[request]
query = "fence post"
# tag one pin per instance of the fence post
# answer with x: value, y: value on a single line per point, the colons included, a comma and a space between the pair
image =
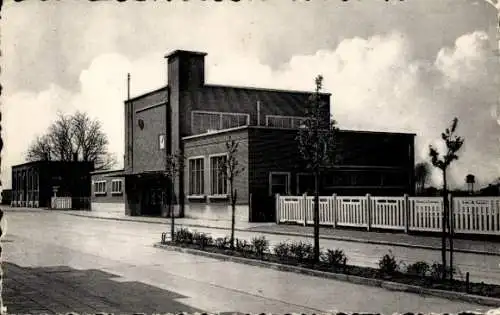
x: 407, y: 213
x: 304, y: 208
x: 334, y: 196
x: 369, y: 213
x: 277, y: 208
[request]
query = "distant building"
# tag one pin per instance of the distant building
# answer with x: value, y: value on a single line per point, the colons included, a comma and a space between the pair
x: 6, y: 196
x: 196, y: 118
x: 35, y: 183
x: 107, y: 191
x: 490, y: 190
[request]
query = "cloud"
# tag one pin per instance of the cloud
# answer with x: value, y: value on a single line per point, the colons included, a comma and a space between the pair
x: 102, y: 90
x: 377, y: 83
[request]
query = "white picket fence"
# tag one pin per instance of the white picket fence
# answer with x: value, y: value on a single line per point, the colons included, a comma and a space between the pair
x: 469, y: 215
x: 60, y: 203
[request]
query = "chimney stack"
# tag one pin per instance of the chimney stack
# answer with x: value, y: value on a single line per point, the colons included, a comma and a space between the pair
x: 186, y: 70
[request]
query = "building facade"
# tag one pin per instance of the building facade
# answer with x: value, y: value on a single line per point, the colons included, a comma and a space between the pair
x: 35, y: 183
x: 196, y: 118
x: 107, y: 191
x: 6, y: 197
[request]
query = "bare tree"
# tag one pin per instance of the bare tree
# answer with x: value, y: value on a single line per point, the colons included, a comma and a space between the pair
x: 60, y: 138
x: 453, y: 145
x: 317, y: 146
x: 422, y: 172
x: 40, y: 149
x: 73, y: 136
x: 174, y: 166
x: 91, y: 144
x: 230, y: 169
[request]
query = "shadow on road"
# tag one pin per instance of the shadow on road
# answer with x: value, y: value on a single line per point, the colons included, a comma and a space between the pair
x: 62, y: 289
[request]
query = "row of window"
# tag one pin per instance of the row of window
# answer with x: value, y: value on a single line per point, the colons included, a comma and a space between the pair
x: 101, y: 189
x: 29, y: 179
x: 206, y: 121
x: 218, y: 182
x: 281, y: 182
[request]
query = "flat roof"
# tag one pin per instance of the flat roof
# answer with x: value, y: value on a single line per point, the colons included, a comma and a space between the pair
x: 49, y: 162
x: 107, y: 171
x: 146, y: 94
x: 229, y: 130
x: 187, y: 52
x: 255, y: 88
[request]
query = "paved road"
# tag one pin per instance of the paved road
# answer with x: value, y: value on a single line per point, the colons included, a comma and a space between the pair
x: 91, y: 264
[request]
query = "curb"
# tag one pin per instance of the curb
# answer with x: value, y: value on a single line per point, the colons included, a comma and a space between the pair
x: 394, y: 286
x: 327, y: 237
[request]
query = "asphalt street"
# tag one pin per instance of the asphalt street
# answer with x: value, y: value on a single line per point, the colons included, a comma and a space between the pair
x: 90, y: 265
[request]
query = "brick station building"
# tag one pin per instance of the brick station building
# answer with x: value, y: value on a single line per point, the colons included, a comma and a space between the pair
x: 190, y: 116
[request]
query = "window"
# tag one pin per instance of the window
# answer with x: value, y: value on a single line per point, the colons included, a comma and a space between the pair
x: 206, y: 121
x: 161, y: 140
x: 218, y: 183
x: 116, y: 186
x: 100, y: 188
x: 288, y: 122
x: 196, y: 178
x: 279, y: 183
x: 305, y: 184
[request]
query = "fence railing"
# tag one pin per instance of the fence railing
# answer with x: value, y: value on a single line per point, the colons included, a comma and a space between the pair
x: 60, y: 203
x: 468, y: 215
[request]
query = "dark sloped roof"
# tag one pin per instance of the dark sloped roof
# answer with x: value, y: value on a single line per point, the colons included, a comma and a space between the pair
x: 244, y: 99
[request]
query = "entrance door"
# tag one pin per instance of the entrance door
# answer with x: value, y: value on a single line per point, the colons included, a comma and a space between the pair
x: 153, y: 201
x: 279, y: 183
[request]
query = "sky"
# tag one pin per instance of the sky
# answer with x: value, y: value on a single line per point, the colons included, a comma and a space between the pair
x: 402, y: 66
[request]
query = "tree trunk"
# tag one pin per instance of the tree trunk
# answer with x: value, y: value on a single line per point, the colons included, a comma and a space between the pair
x: 444, y: 225
x: 172, y: 214
x: 316, y: 217
x: 233, y: 212
x: 450, y: 236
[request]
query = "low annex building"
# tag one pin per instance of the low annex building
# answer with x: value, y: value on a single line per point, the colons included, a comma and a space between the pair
x: 107, y: 191
x: 195, y: 118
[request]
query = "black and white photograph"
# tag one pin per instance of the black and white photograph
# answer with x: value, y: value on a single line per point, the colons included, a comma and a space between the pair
x: 250, y: 157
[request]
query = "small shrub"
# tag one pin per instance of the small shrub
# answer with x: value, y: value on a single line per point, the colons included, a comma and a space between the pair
x: 183, y: 235
x: 302, y: 251
x: 437, y: 271
x: 201, y: 239
x: 334, y: 258
x: 242, y: 246
x: 282, y: 250
x: 419, y: 269
x: 388, y: 264
x: 260, y: 245
x: 222, y: 242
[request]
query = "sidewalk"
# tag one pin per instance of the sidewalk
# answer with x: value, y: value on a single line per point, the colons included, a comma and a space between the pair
x: 378, y: 238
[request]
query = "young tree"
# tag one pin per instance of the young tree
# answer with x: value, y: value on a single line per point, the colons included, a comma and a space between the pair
x: 317, y: 146
x: 421, y: 175
x: 73, y: 136
x: 230, y: 169
x: 453, y: 145
x: 174, y: 166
